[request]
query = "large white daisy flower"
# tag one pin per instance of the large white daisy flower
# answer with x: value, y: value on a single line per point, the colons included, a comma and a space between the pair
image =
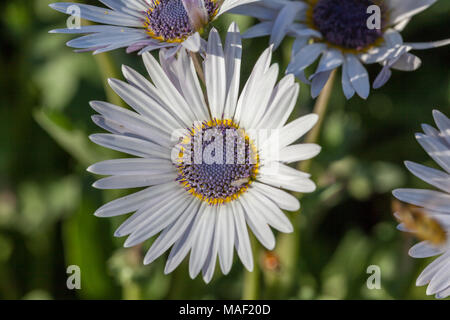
x: 204, y: 206
x: 339, y: 31
x: 435, y: 203
x: 143, y: 25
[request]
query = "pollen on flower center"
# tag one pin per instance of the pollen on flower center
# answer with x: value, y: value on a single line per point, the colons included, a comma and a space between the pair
x: 344, y: 22
x: 217, y: 161
x: 167, y: 20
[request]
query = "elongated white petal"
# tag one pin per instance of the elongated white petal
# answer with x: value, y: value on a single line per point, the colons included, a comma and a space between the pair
x: 257, y: 223
x: 202, y: 241
x: 436, y: 178
x: 242, y: 241
x: 283, y: 199
x: 359, y: 78
x: 233, y: 54
x: 225, y: 232
x: 215, y: 75
x: 424, y: 250
x: 135, y: 201
x: 172, y: 233
x: 272, y: 213
x: 431, y: 199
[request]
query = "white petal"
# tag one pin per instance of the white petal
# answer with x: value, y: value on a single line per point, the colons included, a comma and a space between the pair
x: 271, y: 212
x: 184, y: 243
x: 284, y: 99
x: 359, y: 78
x: 158, y: 220
x: 401, y: 10
x: 429, y: 199
x: 174, y: 100
x: 407, y: 62
x: 437, y: 149
x: 130, y: 145
x: 284, y: 20
x: 233, y: 54
x: 436, y: 178
x: 429, y: 272
x: 226, y: 233
x: 149, y: 210
x: 283, y: 199
x: 347, y: 87
x: 202, y: 241
x: 443, y: 124
x: 299, y: 152
x: 258, y: 224
x: 424, y: 250
x: 318, y: 83
x: 298, y: 185
x: 305, y: 57
x: 131, y: 166
x: 193, y: 43
x: 135, y: 200
x: 441, y: 279
x: 428, y: 45
x: 242, y: 241
x: 171, y: 234
x: 134, y: 181
x: 215, y: 75
x: 259, y: 30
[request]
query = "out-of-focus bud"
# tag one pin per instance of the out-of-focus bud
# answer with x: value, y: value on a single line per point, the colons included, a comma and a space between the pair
x: 271, y: 261
x: 422, y: 224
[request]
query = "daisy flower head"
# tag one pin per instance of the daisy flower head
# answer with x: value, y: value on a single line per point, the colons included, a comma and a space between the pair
x: 143, y: 25
x: 343, y: 33
x: 211, y: 164
x: 435, y: 203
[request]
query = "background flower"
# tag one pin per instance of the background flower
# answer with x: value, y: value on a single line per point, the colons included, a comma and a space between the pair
x: 143, y: 25
x: 337, y: 32
x: 435, y: 203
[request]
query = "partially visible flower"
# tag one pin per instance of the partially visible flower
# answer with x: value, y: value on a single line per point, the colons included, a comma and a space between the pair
x: 339, y: 31
x: 201, y: 191
x: 144, y: 25
x: 434, y: 203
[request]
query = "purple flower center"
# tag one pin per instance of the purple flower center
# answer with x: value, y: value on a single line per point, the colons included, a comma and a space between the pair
x: 168, y: 20
x: 344, y: 23
x: 218, y: 162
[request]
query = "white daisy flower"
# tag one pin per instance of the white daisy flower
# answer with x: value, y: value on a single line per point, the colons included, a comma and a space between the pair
x: 143, y: 25
x: 338, y: 31
x: 204, y: 206
x: 435, y: 203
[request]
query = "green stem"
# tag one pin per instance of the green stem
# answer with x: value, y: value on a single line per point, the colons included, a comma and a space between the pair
x: 252, y: 279
x: 108, y: 69
x: 320, y: 109
x: 198, y: 66
x: 289, y: 244
x: 131, y: 291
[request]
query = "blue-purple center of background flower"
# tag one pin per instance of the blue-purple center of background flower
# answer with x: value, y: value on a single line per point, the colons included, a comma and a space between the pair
x: 168, y: 20
x: 225, y: 168
x: 344, y: 23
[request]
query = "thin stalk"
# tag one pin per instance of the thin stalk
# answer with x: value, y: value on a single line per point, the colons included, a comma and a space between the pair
x: 320, y: 108
x: 289, y: 244
x: 108, y: 69
x: 251, y: 287
x: 198, y: 66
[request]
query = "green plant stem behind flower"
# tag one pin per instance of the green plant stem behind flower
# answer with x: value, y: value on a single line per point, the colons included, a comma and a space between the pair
x: 108, y: 69
x: 289, y: 244
x: 251, y: 286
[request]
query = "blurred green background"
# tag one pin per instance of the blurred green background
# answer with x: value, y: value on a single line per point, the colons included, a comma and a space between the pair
x: 46, y: 198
